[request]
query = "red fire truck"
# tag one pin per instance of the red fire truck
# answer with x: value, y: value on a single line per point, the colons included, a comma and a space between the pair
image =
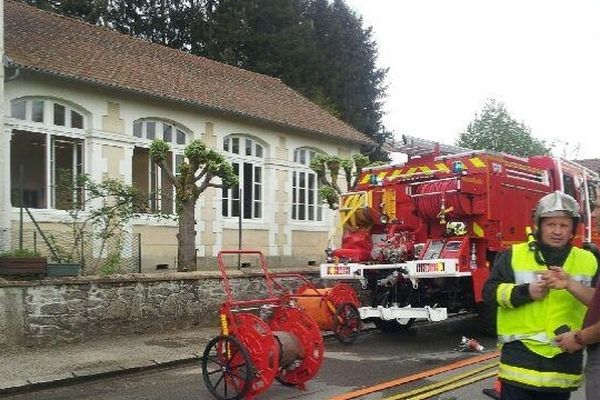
x: 421, y: 236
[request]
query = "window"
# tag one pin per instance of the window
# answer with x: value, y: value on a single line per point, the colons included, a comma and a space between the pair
x: 44, y: 160
x: 47, y: 111
x: 42, y: 168
x: 157, y: 129
x: 157, y: 193
x: 569, y: 185
x: 246, y: 158
x: 306, y: 201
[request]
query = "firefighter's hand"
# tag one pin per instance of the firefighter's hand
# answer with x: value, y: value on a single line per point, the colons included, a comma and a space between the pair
x: 537, y: 289
x: 555, y: 278
x: 567, y: 342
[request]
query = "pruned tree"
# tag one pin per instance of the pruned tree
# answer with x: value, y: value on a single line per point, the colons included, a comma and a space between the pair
x: 196, y: 175
x: 494, y: 129
x: 328, y: 171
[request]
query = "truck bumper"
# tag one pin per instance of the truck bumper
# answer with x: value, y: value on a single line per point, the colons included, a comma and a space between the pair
x: 403, y: 314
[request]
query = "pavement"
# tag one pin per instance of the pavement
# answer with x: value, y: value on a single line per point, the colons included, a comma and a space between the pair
x: 27, y: 368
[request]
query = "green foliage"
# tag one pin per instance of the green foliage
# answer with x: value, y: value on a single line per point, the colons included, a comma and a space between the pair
x: 494, y: 129
x: 20, y: 253
x: 317, y: 47
x: 196, y: 152
x: 327, y: 169
x: 159, y: 150
x: 196, y: 174
x: 360, y: 160
x: 111, y: 264
x: 101, y: 207
x: 330, y: 195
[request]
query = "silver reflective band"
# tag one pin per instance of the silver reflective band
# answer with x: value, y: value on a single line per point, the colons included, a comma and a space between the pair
x: 541, y: 337
x: 522, y: 277
x: 583, y: 279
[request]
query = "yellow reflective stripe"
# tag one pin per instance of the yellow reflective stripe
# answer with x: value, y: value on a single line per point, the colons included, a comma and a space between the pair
x: 381, y: 175
x: 503, y: 294
x: 395, y: 174
x: 366, y: 178
x: 425, y: 169
x: 442, y: 167
x: 477, y: 163
x: 537, y: 378
x: 411, y: 171
x: 477, y: 230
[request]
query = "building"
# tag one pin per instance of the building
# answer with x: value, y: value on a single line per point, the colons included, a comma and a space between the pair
x: 85, y: 99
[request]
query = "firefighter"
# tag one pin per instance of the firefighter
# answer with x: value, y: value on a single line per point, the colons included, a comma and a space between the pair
x: 530, y: 314
x: 589, y: 336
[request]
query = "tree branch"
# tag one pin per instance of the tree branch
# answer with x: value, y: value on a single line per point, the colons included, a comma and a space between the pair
x: 201, y: 174
x: 172, y: 179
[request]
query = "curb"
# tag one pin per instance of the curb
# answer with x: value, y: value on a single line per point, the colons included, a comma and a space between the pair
x: 90, y: 375
x: 100, y: 373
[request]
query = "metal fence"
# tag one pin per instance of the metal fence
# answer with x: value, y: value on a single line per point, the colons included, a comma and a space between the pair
x: 120, y: 253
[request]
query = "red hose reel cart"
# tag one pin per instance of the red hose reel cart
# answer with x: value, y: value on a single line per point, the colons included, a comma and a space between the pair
x: 261, y: 340
x: 334, y: 309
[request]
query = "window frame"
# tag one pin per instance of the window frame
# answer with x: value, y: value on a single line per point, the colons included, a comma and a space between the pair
x: 312, y: 202
x: 253, y: 164
x: 154, y: 180
x: 48, y: 112
x: 52, y: 135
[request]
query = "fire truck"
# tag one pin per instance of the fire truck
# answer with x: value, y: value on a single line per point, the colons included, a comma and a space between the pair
x: 421, y: 236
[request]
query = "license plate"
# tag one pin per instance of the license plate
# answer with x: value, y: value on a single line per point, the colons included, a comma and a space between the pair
x: 338, y: 270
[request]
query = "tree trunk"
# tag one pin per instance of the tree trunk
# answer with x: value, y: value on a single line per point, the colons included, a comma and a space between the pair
x: 187, y: 237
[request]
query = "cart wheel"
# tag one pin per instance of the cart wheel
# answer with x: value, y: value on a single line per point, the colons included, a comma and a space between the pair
x: 281, y: 379
x: 226, y: 368
x: 346, y: 323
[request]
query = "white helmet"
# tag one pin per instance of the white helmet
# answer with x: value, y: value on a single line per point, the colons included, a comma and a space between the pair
x: 556, y: 204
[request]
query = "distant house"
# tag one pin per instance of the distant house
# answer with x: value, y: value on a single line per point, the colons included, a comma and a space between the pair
x: 591, y: 163
x: 86, y: 99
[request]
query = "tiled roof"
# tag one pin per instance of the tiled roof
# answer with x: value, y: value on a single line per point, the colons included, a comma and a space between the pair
x: 46, y: 42
x: 591, y: 163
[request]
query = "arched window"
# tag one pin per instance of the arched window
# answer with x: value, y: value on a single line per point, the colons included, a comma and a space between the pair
x: 156, y: 129
x: 306, y: 201
x: 47, y: 111
x: 246, y: 157
x: 45, y: 150
x: 157, y: 192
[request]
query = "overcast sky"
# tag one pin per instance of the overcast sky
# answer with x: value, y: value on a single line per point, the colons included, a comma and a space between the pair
x: 541, y: 58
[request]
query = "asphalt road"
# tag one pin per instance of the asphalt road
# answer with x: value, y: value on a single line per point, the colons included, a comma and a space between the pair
x: 373, y: 358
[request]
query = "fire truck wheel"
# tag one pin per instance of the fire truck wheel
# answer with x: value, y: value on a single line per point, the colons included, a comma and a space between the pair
x: 393, y: 325
x: 346, y: 323
x: 226, y: 368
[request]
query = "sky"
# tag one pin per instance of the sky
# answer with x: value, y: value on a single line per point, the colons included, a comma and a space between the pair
x: 446, y: 58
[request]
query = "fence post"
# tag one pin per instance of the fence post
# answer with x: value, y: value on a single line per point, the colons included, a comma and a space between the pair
x: 139, y: 253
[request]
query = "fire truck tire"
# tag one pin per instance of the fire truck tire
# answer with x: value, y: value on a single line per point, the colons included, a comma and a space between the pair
x: 226, y: 368
x: 346, y: 323
x: 392, y: 326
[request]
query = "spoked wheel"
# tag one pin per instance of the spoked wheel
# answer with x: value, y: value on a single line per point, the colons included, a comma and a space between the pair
x: 346, y: 323
x: 226, y: 368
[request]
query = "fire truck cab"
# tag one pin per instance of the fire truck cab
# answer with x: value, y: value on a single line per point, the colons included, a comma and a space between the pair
x: 421, y: 236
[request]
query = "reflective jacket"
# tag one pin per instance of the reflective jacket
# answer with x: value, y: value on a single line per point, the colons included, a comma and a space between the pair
x: 529, y: 328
